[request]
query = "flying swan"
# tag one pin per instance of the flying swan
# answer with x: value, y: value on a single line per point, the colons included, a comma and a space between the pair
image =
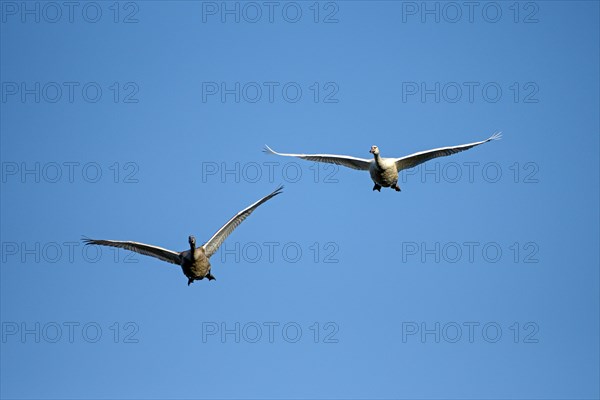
x: 384, y: 171
x: 194, y: 262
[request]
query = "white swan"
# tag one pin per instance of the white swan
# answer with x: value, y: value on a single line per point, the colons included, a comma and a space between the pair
x: 384, y: 171
x: 194, y: 262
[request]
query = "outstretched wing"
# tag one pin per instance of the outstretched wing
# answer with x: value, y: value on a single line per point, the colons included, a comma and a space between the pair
x: 346, y: 161
x: 145, y: 249
x: 212, y: 245
x: 418, y: 158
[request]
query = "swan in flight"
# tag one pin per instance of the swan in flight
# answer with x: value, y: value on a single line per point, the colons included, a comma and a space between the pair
x: 194, y: 262
x: 384, y: 171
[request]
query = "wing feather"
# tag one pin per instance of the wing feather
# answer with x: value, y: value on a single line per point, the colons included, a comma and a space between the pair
x: 212, y: 245
x: 145, y: 249
x: 346, y: 161
x: 415, y: 159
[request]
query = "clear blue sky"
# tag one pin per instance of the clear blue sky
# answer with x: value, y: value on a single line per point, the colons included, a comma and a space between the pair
x: 479, y: 280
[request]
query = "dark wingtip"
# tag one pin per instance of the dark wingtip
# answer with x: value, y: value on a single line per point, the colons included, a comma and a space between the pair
x: 88, y: 241
x: 277, y: 191
x: 496, y: 136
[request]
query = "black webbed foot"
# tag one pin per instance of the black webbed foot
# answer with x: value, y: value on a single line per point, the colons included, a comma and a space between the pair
x: 377, y: 187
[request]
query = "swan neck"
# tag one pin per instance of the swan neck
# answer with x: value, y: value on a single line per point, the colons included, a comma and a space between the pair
x: 377, y: 159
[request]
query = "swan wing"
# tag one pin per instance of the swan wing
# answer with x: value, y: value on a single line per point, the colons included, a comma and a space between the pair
x: 212, y: 245
x: 415, y: 159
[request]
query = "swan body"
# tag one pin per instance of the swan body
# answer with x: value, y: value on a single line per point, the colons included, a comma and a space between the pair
x: 194, y: 262
x: 384, y: 171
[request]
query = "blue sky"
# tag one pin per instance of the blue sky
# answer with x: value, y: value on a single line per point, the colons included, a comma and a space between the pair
x: 479, y: 280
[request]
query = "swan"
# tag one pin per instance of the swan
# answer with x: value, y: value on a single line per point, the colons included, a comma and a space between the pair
x: 195, y: 261
x: 384, y: 171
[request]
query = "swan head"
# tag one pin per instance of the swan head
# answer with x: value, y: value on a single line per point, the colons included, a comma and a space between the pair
x: 192, y: 241
x: 374, y: 150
